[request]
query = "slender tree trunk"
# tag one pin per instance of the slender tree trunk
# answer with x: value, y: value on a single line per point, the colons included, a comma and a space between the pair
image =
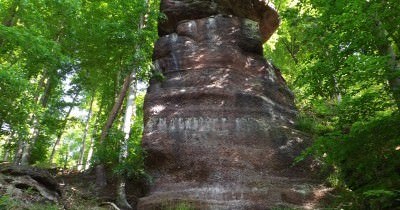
x: 82, y: 150
x: 59, y: 135
x: 6, y: 155
x: 10, y: 19
x: 91, y: 146
x: 7, y: 146
x: 30, y: 142
x: 337, y: 90
x: 123, y: 155
x: 18, y: 152
x: 92, y: 139
x: 101, y: 180
x: 53, y: 150
x: 47, y: 92
x: 66, y: 158
x: 12, y: 11
x: 27, y: 145
x: 394, y: 69
x: 386, y: 49
x: 115, y: 109
x: 90, y: 152
x: 130, y: 111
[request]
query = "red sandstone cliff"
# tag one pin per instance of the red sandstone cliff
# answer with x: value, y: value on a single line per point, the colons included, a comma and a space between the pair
x: 219, y: 128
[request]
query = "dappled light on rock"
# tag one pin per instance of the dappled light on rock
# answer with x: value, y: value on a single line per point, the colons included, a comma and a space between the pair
x: 219, y: 124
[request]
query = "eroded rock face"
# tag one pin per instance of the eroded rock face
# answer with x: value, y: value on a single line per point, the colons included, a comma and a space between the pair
x: 219, y: 128
x: 256, y: 10
x: 28, y: 184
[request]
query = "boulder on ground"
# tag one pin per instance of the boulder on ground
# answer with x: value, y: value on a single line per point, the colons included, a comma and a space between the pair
x: 28, y: 184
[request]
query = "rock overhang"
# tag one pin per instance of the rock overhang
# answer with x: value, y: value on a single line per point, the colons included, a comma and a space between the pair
x: 259, y: 11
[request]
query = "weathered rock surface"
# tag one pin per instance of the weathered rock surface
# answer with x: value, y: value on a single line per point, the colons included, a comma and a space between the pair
x: 256, y: 10
x: 219, y: 128
x: 28, y: 184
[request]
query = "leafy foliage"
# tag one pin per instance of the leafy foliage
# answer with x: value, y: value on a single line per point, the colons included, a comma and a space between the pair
x: 7, y: 202
x: 56, y: 55
x: 341, y: 60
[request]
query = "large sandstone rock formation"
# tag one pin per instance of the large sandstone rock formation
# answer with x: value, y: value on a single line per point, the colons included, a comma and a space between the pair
x: 219, y: 125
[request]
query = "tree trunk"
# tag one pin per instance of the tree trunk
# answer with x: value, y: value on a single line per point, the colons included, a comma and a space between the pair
x: 129, y: 112
x: 122, y: 202
x: 92, y: 140
x: 53, y: 150
x: 66, y: 158
x: 394, y: 69
x: 47, y: 92
x: 22, y: 153
x: 10, y: 20
x: 18, y: 152
x: 59, y: 135
x: 31, y: 141
x: 91, y: 146
x: 386, y: 49
x: 27, y: 145
x: 115, y: 109
x: 100, y: 169
x: 82, y: 150
x: 7, y: 146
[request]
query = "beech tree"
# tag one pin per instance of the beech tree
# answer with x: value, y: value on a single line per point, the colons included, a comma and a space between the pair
x: 341, y: 60
x: 67, y: 69
x: 48, y: 48
x: 31, y: 46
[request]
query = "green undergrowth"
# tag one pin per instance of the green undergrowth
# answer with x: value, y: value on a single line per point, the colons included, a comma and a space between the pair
x: 361, y: 160
x: 182, y: 206
x: 9, y: 203
x: 174, y: 205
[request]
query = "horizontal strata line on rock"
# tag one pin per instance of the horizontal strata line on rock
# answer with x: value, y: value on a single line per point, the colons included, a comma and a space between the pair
x: 212, y: 112
x: 223, y: 91
x: 292, y: 181
x: 234, y: 71
x: 237, y: 201
x: 212, y: 90
x: 210, y: 67
x: 238, y: 204
x: 225, y: 203
x: 191, y: 48
x: 165, y: 95
x: 223, y: 122
x: 163, y: 123
x: 223, y: 112
x: 150, y: 202
x: 242, y: 111
x: 215, y: 112
x: 296, y: 186
x: 199, y: 192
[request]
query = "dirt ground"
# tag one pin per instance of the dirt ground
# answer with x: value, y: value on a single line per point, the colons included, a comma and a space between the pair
x: 80, y: 192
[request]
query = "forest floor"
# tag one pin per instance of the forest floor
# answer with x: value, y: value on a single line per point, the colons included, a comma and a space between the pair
x: 32, y: 188
x: 22, y: 188
x: 80, y: 192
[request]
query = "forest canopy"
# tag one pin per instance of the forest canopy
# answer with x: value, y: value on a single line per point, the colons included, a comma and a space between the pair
x: 341, y: 59
x: 73, y: 74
